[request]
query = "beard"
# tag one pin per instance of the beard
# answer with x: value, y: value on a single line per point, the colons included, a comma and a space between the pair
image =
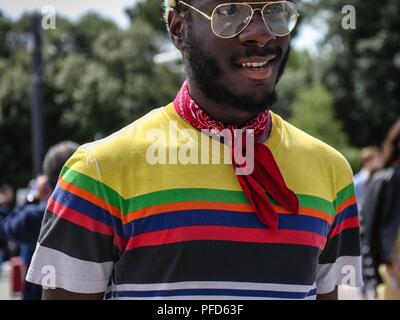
x: 206, y: 73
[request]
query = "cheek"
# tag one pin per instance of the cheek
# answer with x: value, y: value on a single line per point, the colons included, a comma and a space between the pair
x: 283, y: 42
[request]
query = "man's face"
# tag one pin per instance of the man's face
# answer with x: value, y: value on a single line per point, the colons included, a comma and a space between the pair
x: 216, y: 64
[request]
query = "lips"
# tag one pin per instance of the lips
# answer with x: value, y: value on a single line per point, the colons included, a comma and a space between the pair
x: 257, y: 68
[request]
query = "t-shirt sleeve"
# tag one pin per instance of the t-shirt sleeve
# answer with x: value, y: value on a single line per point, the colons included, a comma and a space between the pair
x: 77, y: 242
x: 340, y: 260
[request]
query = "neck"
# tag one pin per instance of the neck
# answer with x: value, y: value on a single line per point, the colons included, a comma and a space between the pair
x: 219, y: 112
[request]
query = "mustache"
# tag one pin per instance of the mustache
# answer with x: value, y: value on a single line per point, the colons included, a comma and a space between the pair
x: 259, y: 51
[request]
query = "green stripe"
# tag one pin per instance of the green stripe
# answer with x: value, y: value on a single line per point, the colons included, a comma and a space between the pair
x: 312, y: 202
x: 150, y: 199
x: 189, y: 194
x: 92, y: 185
x: 345, y: 194
x: 179, y: 195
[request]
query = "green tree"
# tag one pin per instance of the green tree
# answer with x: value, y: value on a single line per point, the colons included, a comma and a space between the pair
x: 314, y: 113
x: 299, y: 75
x: 362, y: 68
x: 97, y: 79
x: 150, y: 12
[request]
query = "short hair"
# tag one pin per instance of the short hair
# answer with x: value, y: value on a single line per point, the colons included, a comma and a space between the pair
x: 172, y: 5
x: 168, y: 5
x: 55, y: 159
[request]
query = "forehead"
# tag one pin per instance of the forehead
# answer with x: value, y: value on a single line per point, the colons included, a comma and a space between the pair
x: 216, y: 2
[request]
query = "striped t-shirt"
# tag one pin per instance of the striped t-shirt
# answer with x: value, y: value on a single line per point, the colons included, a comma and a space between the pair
x: 129, y: 220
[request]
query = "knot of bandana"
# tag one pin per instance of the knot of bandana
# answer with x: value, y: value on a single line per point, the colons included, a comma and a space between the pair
x: 265, y: 178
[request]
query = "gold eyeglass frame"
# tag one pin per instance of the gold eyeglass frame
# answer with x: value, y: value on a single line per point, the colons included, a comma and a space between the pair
x: 248, y: 4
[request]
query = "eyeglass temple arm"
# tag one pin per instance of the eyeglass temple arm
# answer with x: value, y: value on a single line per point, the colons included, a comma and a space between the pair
x: 202, y: 13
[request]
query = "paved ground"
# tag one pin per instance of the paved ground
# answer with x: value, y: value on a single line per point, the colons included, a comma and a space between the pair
x: 347, y: 293
x: 5, y: 292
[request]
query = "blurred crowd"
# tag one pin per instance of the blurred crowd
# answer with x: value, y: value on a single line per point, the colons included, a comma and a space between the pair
x: 21, y: 215
x: 377, y: 187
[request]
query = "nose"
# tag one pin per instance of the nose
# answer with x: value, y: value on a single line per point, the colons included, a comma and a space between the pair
x: 256, y: 32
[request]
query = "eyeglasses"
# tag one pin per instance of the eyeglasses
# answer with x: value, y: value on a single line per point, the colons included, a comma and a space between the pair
x: 229, y: 19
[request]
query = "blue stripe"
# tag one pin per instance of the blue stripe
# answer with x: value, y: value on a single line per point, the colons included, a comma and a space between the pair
x: 303, y: 223
x: 184, y: 218
x: 87, y: 208
x: 347, y: 213
x: 212, y: 292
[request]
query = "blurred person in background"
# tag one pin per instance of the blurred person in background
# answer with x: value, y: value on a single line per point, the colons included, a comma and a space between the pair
x: 7, y: 197
x: 371, y: 159
x: 23, y: 224
x: 381, y: 220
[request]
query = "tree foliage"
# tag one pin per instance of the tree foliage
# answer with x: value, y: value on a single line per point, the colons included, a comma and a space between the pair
x: 362, y: 67
x: 97, y: 79
x: 314, y: 112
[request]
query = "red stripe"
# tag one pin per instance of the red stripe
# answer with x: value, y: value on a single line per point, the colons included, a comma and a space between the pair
x: 84, y: 221
x: 120, y: 242
x: 78, y: 218
x: 238, y: 234
x: 350, y: 223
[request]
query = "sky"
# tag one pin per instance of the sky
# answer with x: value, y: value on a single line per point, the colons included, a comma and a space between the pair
x: 114, y: 9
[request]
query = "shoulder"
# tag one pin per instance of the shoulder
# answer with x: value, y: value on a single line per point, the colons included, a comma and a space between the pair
x: 112, y: 165
x: 131, y: 137
x: 119, y: 146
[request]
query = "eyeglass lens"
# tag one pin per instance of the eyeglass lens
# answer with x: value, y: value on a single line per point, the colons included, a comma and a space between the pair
x: 230, y: 19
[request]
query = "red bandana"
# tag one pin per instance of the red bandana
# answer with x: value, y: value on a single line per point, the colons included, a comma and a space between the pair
x: 265, y: 176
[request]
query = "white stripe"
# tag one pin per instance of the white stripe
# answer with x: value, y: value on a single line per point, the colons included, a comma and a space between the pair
x: 229, y: 285
x: 346, y: 271
x: 211, y: 285
x: 70, y: 273
x: 209, y: 298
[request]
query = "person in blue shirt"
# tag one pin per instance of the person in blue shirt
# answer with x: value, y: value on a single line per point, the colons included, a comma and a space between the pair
x: 23, y: 224
x: 7, y: 199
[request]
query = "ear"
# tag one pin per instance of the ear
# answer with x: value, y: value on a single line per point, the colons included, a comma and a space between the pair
x: 175, y: 22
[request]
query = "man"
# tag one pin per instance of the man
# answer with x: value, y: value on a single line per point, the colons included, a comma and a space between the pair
x: 138, y: 215
x: 22, y: 225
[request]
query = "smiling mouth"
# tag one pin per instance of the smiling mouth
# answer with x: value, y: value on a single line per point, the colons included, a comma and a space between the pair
x: 257, y: 68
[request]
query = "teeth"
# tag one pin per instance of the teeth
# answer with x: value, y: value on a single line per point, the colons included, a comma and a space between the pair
x: 254, y: 64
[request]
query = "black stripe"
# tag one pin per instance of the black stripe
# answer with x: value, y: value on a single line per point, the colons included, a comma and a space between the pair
x: 218, y: 261
x: 74, y: 240
x: 347, y: 243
